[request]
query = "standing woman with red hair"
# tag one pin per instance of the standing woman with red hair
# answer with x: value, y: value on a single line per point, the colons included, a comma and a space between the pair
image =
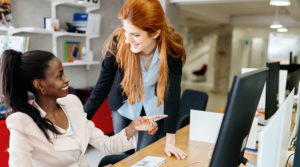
x: 141, y: 72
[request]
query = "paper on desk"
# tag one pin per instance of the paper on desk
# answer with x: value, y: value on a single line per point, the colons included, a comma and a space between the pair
x: 251, y: 143
x: 150, y: 161
x: 205, y: 126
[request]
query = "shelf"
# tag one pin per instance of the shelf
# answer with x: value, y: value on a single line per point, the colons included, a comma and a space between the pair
x: 93, y: 36
x: 12, y: 31
x: 3, y: 28
x: 80, y: 63
x: 76, y: 3
x: 60, y: 34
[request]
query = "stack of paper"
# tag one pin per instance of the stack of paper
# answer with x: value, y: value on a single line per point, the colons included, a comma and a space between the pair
x: 18, y: 43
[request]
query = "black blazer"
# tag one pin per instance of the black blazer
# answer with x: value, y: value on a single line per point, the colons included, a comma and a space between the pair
x: 108, y: 85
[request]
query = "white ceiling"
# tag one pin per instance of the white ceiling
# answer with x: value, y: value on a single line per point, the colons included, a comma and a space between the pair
x: 237, y: 12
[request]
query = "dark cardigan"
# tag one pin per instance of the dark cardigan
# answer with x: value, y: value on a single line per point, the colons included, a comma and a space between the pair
x: 108, y: 85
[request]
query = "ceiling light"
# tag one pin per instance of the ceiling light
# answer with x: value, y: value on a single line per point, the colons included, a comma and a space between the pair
x: 280, y: 2
x: 283, y: 29
x: 275, y: 24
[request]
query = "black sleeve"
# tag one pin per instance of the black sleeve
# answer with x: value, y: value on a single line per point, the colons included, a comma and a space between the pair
x: 172, y: 97
x: 103, y: 85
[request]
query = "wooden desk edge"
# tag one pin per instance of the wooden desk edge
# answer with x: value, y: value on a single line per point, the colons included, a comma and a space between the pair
x: 190, y: 147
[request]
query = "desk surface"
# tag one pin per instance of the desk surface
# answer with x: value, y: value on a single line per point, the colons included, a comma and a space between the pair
x: 195, y: 150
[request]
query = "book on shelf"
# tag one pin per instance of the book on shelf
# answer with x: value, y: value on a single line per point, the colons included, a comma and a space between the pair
x: 88, y: 23
x: 51, y: 24
x: 89, y: 1
x: 72, y: 51
x: 18, y: 43
x: 80, y: 22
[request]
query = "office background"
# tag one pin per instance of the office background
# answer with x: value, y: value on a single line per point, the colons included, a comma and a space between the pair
x: 245, y: 24
x: 224, y: 35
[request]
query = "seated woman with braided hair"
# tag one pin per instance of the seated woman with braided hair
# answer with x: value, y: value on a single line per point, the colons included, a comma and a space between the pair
x: 53, y: 130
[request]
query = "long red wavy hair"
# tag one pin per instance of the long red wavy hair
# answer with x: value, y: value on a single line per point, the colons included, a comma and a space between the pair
x: 149, y: 16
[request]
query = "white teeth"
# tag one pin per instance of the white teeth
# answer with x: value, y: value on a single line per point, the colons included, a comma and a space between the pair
x: 65, y: 88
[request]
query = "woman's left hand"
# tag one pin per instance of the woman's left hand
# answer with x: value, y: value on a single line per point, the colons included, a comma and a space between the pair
x: 170, y: 147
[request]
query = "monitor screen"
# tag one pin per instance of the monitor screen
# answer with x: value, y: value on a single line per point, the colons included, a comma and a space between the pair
x: 239, y: 114
x: 292, y: 80
x: 272, y: 89
x: 293, y: 77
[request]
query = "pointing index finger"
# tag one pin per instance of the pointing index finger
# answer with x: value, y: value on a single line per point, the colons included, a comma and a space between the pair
x: 156, y: 116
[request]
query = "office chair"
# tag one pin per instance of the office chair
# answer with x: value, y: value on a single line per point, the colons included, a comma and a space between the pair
x: 190, y: 99
x: 4, y: 133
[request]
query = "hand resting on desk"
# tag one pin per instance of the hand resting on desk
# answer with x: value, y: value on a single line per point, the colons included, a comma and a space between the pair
x: 170, y: 147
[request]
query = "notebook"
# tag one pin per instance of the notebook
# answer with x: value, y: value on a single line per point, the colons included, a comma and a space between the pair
x: 150, y: 161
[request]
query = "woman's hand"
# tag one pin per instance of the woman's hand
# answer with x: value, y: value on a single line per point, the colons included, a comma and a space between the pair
x: 145, y: 123
x: 170, y: 147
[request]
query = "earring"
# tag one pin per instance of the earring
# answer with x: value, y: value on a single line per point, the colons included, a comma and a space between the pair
x: 43, y: 91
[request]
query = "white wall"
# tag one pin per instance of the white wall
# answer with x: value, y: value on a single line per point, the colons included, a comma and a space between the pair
x: 200, y: 53
x: 249, y: 49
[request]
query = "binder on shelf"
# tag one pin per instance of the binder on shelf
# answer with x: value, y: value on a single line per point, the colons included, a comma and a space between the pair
x: 72, y: 51
x: 93, y: 24
x: 18, y: 43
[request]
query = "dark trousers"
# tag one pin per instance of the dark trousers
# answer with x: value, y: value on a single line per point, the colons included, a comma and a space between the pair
x: 144, y: 139
x: 111, y: 159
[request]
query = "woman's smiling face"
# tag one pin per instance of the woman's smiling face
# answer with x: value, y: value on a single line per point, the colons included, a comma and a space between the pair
x: 139, y: 40
x: 56, y: 82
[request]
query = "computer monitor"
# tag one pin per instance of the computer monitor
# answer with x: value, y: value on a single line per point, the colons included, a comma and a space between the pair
x: 293, y: 77
x: 272, y: 89
x: 293, y: 80
x: 262, y: 101
x: 239, y: 114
